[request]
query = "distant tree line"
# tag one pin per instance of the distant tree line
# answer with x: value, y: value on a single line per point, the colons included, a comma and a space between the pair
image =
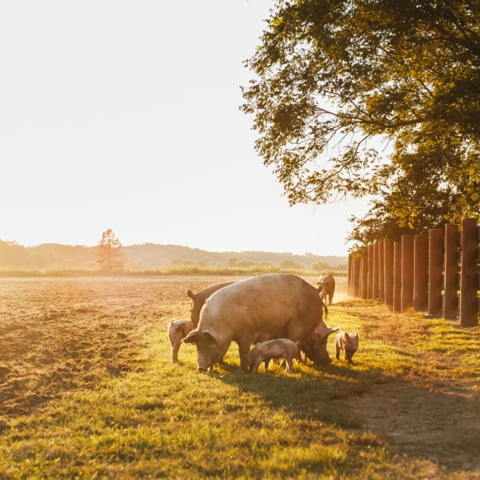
x: 110, y: 256
x: 235, y: 263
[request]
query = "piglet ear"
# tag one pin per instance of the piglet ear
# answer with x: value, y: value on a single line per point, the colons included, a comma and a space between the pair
x: 347, y: 336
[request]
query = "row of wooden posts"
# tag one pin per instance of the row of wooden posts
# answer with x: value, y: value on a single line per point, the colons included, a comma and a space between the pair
x: 436, y: 273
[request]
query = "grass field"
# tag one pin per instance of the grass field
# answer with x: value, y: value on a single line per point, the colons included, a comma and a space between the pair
x: 87, y: 390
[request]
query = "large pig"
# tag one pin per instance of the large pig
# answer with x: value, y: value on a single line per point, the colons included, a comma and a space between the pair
x: 201, y: 297
x: 257, y: 309
x: 326, y: 287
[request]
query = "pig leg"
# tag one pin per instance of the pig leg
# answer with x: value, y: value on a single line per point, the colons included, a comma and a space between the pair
x: 244, y: 350
x: 175, y: 349
x: 289, y: 368
x: 256, y: 363
x: 175, y: 338
x: 348, y: 356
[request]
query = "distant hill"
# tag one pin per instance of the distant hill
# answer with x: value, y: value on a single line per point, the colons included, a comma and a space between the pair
x: 149, y: 256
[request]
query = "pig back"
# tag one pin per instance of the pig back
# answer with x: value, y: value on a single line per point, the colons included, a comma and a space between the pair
x: 271, y: 306
x: 200, y: 298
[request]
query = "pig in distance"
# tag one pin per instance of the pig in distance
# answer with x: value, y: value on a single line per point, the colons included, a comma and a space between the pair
x: 258, y: 309
x: 326, y: 287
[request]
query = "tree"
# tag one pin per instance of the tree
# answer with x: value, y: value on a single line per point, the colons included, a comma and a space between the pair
x: 288, y: 264
x: 319, y: 266
x: 109, y: 254
x: 412, y: 202
x: 334, y: 78
x: 205, y: 262
x: 232, y: 262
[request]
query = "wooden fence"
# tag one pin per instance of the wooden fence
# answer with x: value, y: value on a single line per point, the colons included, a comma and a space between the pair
x: 436, y: 273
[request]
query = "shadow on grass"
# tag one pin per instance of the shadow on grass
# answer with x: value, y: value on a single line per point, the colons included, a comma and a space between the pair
x: 439, y: 424
x: 308, y: 392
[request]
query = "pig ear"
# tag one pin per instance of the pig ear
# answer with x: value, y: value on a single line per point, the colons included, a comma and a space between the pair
x: 195, y: 335
x: 209, y: 336
x: 328, y: 331
x: 192, y: 337
x: 347, y: 336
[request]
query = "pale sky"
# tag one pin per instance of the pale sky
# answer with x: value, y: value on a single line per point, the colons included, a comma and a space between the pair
x: 125, y: 115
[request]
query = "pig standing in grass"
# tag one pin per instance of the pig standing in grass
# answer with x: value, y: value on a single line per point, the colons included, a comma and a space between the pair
x: 348, y: 343
x: 326, y: 287
x: 177, y: 331
x: 261, y: 308
x: 277, y: 348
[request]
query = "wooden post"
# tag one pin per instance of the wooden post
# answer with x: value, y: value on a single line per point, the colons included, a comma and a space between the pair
x: 349, y: 275
x: 435, y: 268
x: 420, y: 273
x: 360, y: 280
x: 407, y: 272
x: 370, y: 272
x: 451, y: 283
x: 364, y: 288
x: 469, y: 277
x: 375, y: 271
x: 388, y: 270
x: 356, y: 276
x: 397, y: 277
x: 381, y: 270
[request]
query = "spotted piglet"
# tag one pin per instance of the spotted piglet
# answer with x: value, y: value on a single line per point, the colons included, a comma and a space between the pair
x: 347, y: 342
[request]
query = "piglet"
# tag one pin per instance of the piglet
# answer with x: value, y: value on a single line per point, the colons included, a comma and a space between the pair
x: 347, y: 342
x: 177, y: 331
x: 277, y: 348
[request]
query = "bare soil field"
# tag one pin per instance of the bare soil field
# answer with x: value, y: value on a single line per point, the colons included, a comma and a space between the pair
x: 58, y: 335
x: 61, y: 334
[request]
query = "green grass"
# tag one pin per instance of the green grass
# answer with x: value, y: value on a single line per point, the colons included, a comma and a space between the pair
x: 169, y: 421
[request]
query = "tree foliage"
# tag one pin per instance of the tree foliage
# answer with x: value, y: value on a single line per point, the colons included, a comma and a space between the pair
x: 109, y: 254
x: 334, y: 78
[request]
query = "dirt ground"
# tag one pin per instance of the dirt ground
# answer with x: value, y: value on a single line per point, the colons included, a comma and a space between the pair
x: 433, y: 411
x: 62, y: 334
x: 58, y: 335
